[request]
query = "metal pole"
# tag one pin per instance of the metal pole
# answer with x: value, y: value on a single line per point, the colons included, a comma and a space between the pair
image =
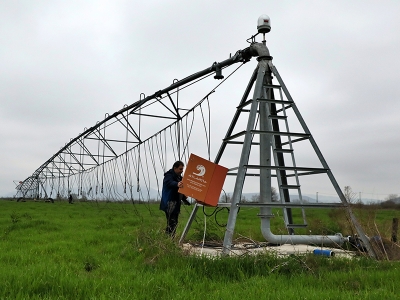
x: 244, y: 158
x: 189, y: 223
x: 265, y: 149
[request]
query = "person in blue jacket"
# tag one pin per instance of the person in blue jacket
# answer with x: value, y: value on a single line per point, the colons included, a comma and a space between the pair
x: 171, y: 198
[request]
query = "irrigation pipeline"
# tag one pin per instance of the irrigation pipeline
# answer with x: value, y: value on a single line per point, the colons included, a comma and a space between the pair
x: 114, y: 160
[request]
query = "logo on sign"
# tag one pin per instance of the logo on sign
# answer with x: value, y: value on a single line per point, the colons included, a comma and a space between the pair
x: 201, y: 169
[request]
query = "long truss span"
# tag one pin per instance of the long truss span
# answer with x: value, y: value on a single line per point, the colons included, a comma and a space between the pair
x: 122, y: 156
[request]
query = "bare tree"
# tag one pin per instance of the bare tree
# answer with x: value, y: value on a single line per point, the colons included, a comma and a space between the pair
x: 225, y: 198
x: 255, y: 198
x: 391, y: 197
x: 274, y: 196
x: 349, y: 194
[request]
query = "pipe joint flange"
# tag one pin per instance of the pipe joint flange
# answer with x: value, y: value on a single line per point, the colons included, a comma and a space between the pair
x: 266, y: 57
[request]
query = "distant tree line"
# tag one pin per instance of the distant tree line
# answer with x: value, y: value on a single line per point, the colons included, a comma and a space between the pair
x: 227, y: 198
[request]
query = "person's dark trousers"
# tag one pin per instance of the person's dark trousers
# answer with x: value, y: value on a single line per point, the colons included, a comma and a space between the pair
x: 172, y: 214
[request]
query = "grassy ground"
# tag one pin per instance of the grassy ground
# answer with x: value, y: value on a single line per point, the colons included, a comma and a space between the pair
x: 119, y: 251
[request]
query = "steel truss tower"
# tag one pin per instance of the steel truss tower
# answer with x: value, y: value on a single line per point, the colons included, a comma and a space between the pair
x: 275, y: 145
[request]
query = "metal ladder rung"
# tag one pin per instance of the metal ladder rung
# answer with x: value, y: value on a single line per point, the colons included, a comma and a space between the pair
x: 277, y: 117
x: 308, y: 173
x: 283, y: 150
x: 274, y: 86
x: 296, y: 140
x: 297, y: 134
x: 290, y: 187
x: 234, y: 136
x: 241, y: 143
x: 248, y: 110
x: 244, y: 104
x: 274, y: 101
x: 286, y: 107
x: 247, y: 174
x: 300, y: 169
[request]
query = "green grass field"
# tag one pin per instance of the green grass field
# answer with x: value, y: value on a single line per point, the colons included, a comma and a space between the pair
x: 118, y: 251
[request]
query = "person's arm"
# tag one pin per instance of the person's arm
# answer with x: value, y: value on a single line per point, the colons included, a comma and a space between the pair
x: 170, y: 181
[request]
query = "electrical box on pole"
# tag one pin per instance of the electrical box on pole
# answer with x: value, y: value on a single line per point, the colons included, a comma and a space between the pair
x: 203, y: 180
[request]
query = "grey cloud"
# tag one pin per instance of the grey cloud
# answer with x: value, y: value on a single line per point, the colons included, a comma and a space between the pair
x: 65, y: 64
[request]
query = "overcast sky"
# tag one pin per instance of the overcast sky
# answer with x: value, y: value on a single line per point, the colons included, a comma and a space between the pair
x: 64, y: 64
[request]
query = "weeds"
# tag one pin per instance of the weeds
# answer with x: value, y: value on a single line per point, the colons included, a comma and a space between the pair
x: 84, y: 251
x: 90, y: 264
x: 15, y: 218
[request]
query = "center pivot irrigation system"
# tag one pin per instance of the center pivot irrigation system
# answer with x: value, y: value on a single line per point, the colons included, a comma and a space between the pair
x: 124, y: 156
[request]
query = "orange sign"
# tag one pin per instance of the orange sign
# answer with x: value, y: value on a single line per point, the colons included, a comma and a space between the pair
x: 203, y: 180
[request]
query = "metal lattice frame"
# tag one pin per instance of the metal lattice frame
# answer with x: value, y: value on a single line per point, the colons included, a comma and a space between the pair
x: 118, y: 142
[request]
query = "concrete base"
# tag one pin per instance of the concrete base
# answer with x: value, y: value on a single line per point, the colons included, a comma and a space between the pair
x: 245, y: 249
